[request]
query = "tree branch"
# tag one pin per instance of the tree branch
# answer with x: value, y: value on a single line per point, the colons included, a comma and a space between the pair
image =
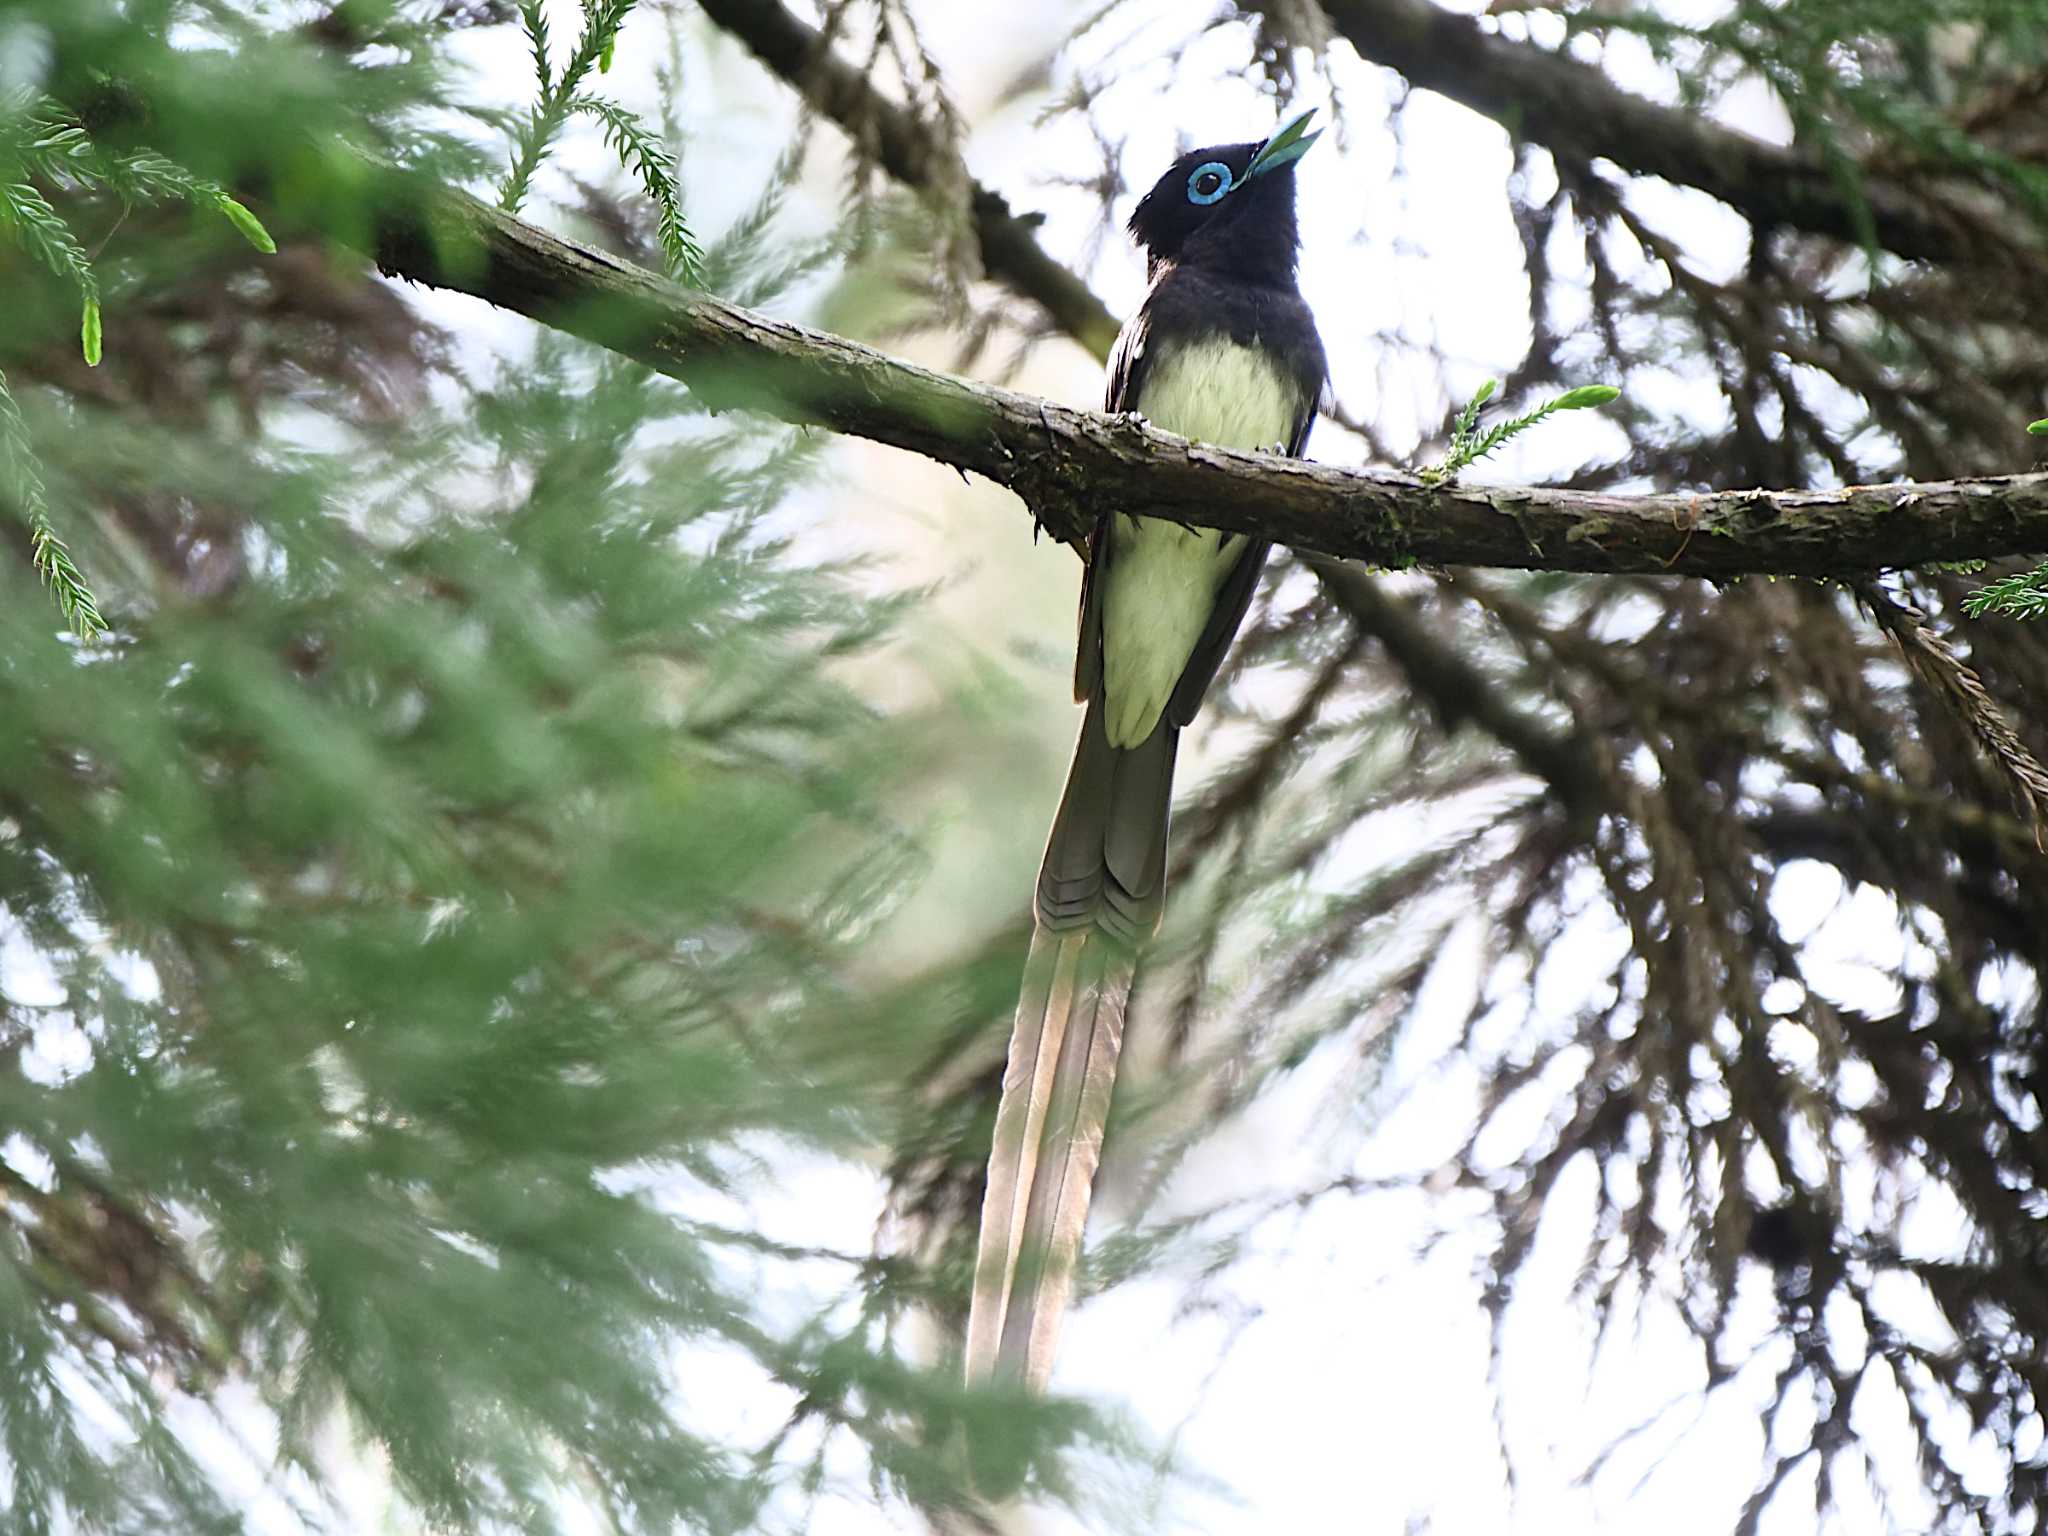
x: 1065, y: 464
x: 1459, y: 690
x: 907, y: 149
x: 1576, y: 109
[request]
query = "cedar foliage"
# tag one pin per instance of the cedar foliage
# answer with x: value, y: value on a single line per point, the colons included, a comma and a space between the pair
x: 429, y: 904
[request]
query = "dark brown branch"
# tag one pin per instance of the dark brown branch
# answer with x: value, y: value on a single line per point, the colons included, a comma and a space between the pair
x: 1576, y: 110
x: 1010, y: 253
x: 1459, y: 690
x: 1066, y: 463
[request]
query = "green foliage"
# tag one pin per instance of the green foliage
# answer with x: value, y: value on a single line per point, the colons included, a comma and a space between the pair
x: 1469, y: 445
x: 642, y: 154
x: 24, y: 488
x: 30, y: 221
x: 2023, y: 595
x: 2020, y: 596
x: 46, y: 142
x: 426, y: 950
x: 41, y: 141
x: 472, y: 875
x: 495, y: 891
x: 562, y: 97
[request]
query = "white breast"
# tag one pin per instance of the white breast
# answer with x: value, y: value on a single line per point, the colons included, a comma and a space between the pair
x: 1163, y: 579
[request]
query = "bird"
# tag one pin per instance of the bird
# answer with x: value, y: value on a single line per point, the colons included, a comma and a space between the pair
x: 1223, y: 350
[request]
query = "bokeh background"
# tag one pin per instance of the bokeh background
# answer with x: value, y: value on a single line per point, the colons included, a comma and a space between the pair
x: 506, y: 938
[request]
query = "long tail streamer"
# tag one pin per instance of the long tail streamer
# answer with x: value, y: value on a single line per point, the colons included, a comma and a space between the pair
x: 1048, y: 1140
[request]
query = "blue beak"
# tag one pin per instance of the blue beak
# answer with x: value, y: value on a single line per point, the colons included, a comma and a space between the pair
x: 1285, y: 147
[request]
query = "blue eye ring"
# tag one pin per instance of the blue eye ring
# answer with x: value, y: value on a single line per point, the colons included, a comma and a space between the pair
x: 1215, y: 168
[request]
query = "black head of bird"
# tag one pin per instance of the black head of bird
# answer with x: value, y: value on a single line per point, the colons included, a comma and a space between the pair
x: 1229, y: 207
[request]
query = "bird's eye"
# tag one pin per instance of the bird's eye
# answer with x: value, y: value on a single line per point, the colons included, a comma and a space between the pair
x: 1209, y: 182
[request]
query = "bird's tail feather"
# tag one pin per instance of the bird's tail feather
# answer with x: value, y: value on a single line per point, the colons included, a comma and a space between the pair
x: 1100, y: 892
x: 1048, y: 1140
x: 1056, y: 1216
x: 1105, y: 858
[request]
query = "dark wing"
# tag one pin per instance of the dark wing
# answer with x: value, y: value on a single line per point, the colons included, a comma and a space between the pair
x: 1233, y: 598
x: 1129, y: 361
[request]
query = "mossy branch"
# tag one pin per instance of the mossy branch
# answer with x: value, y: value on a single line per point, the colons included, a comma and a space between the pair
x: 1064, y: 464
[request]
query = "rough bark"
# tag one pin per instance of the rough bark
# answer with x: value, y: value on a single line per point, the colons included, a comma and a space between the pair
x: 1066, y: 463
